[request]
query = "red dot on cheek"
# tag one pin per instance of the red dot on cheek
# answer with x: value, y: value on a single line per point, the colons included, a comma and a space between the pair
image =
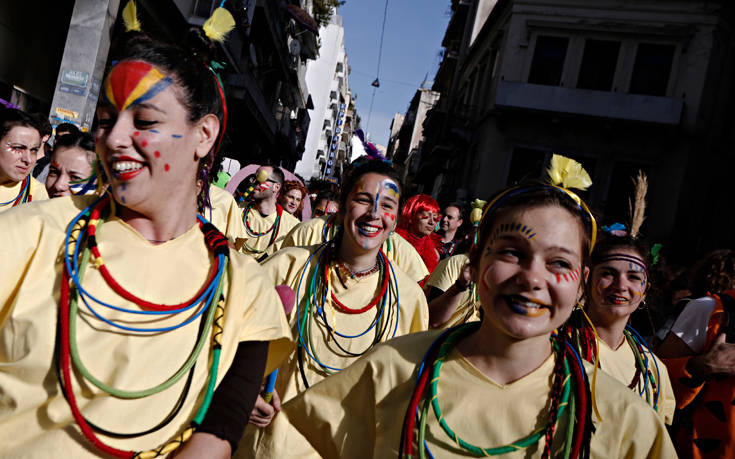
x: 136, y: 134
x: 157, y: 154
x: 144, y: 143
x: 166, y: 167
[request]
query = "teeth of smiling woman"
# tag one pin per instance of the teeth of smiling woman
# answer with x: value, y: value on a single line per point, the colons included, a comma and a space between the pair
x: 619, y: 299
x: 126, y: 166
x: 369, y: 228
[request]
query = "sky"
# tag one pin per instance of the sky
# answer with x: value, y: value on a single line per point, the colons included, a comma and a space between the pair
x: 413, y: 33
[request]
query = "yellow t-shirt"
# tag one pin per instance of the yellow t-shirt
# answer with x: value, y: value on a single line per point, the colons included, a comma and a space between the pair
x: 11, y: 191
x: 360, y: 411
x: 620, y: 364
x: 225, y: 214
x: 443, y: 277
x: 396, y: 248
x: 260, y: 246
x: 286, y: 267
x: 35, y: 420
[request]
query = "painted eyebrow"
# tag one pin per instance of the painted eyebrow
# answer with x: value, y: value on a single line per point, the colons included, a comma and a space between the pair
x: 150, y: 106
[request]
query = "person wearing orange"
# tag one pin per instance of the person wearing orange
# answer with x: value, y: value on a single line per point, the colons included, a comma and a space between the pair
x: 699, y: 353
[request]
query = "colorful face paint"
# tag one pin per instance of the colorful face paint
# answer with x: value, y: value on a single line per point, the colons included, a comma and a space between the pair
x: 568, y: 277
x: 176, y: 136
x: 526, y: 231
x: 133, y: 82
x: 520, y: 305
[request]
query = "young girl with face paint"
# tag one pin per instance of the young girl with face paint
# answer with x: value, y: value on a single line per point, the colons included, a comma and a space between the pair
x: 617, y: 286
x: 349, y: 297
x: 20, y: 141
x: 170, y: 320
x: 508, y: 385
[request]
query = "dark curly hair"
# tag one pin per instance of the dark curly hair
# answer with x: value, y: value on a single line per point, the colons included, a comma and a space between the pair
x: 714, y: 273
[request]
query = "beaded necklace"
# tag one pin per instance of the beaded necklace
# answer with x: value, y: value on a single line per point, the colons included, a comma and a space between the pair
x: 209, y: 300
x: 23, y: 196
x: 569, y: 389
x: 320, y: 301
x: 273, y: 229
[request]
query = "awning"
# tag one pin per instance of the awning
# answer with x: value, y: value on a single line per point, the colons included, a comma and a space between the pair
x: 303, y: 18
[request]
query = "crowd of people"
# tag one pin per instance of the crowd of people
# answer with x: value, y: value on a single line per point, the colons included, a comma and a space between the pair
x: 145, y: 311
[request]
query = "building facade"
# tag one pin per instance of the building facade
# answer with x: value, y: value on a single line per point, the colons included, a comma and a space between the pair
x: 407, y: 133
x: 54, y: 62
x: 328, y: 143
x: 620, y: 86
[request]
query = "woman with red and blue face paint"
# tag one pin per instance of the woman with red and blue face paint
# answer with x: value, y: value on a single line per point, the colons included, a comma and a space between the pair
x: 128, y: 328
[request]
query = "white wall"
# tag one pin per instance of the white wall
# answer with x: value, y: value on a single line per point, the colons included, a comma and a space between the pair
x: 320, y: 78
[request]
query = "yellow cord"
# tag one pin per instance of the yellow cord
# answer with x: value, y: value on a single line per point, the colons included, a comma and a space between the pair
x: 597, y: 361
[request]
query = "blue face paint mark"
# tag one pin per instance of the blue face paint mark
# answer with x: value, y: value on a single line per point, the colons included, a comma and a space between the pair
x: 124, y: 185
x: 122, y: 198
x: 176, y: 136
x: 154, y: 131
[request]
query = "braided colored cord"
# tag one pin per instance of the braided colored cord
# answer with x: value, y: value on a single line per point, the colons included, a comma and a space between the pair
x: 318, y: 304
x: 384, y: 285
x: 525, y: 442
x: 117, y: 288
x: 569, y: 390
x: 274, y: 229
x: 67, y: 319
x: 640, y: 347
x: 23, y: 196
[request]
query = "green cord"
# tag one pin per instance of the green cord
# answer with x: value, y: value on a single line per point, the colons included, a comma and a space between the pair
x: 531, y: 439
x: 125, y: 394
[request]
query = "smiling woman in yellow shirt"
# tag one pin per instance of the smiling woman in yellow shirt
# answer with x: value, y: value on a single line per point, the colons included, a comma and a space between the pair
x: 508, y: 385
x: 125, y: 320
x: 349, y: 297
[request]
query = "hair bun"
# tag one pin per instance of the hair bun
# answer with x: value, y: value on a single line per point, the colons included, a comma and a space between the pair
x: 197, y: 41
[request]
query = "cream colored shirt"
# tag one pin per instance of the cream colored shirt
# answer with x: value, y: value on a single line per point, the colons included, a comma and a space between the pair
x: 285, y: 267
x: 360, y: 411
x: 396, y: 248
x: 10, y: 192
x: 444, y: 276
x: 620, y: 364
x: 225, y: 214
x: 35, y: 420
x: 260, y: 246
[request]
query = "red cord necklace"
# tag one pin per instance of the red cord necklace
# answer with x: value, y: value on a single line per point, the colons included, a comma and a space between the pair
x: 383, y: 263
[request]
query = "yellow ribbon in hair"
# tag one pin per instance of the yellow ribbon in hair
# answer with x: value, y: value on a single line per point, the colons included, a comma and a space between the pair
x: 130, y: 17
x: 568, y: 173
x: 219, y: 25
x: 476, y: 214
x: 593, y: 388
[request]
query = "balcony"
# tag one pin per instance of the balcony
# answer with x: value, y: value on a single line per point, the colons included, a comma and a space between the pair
x: 601, y: 104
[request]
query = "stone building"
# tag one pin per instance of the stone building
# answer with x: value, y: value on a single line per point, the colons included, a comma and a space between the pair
x: 619, y: 85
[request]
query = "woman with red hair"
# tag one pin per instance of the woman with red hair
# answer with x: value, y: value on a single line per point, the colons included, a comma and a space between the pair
x: 292, y: 197
x: 419, y: 216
